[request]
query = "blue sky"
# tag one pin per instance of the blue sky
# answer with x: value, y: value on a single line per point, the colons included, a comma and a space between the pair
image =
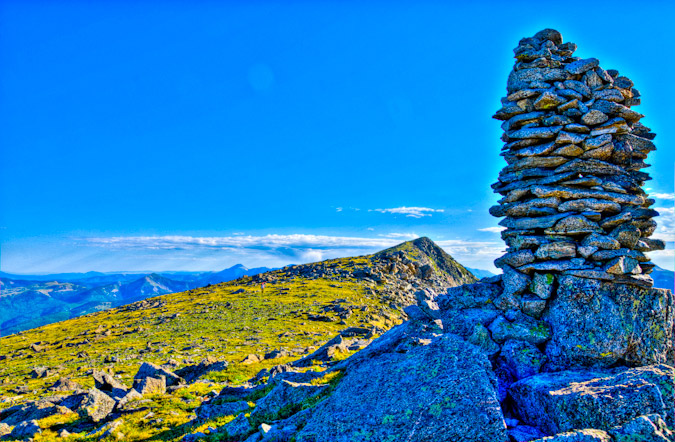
x: 196, y: 135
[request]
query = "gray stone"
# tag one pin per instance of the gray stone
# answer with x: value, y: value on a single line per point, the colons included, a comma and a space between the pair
x: 602, y: 153
x: 238, y: 427
x: 556, y: 250
x: 548, y: 100
x: 574, y: 225
x: 609, y: 95
x: 536, y: 132
x: 581, y: 66
x: 531, y: 223
x: 515, y: 259
x: 589, y: 204
x: 533, y: 305
x: 601, y: 242
x: 148, y: 370
x: 568, y: 137
x: 523, y: 328
x: 428, y: 392
x: 95, y: 405
x: 535, y: 163
x: 570, y: 150
x: 596, y: 323
x: 585, y: 435
x: 514, y: 281
x: 26, y: 430
x: 598, y: 141
x: 591, y: 167
x: 622, y: 265
x: 209, y: 411
x: 285, y: 397
x: 556, y: 265
x: 521, y: 358
x: 571, y: 193
x: 108, y: 384
x: 524, y: 433
x: 568, y: 400
x: 649, y: 428
x: 481, y: 338
x: 627, y: 234
x: 578, y: 86
x: 149, y: 385
x: 542, y: 285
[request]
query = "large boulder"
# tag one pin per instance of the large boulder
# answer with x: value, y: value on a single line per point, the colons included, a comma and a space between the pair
x: 597, y: 324
x: 106, y: 383
x: 210, y: 411
x: 463, y: 308
x: 599, y: 399
x: 149, y: 370
x: 26, y: 430
x: 150, y: 385
x: 443, y: 391
x: 193, y: 372
x: 94, y: 404
x: 287, y: 397
x: 31, y: 410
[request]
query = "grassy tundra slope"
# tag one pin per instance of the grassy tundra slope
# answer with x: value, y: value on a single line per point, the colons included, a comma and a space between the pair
x: 301, y: 308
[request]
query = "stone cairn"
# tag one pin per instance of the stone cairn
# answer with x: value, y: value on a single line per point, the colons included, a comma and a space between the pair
x: 572, y: 191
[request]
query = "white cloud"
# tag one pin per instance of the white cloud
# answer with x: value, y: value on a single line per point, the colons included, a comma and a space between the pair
x: 401, y: 236
x: 664, y: 196
x: 411, y: 212
x: 175, y: 242
x: 496, y: 229
x: 665, y: 229
x: 279, y: 250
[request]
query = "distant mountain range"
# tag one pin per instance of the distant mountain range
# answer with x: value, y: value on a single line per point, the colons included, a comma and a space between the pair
x: 29, y: 301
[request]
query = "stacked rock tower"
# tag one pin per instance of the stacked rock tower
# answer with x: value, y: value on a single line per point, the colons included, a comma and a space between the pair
x: 572, y: 191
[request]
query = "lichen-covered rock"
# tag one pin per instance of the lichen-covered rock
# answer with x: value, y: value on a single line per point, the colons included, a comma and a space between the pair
x: 240, y: 426
x: 148, y: 370
x: 585, y: 435
x: 425, y: 394
x: 521, y: 328
x: 650, y: 428
x: 596, y: 323
x: 94, y: 404
x: 521, y: 358
x: 106, y: 383
x: 31, y: 410
x: 206, y: 410
x: 26, y: 430
x: 5, y: 429
x: 600, y: 399
x: 193, y: 372
x: 287, y: 397
x: 149, y: 385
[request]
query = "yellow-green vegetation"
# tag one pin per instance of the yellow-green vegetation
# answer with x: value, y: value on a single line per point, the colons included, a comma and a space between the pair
x: 227, y: 321
x: 299, y: 309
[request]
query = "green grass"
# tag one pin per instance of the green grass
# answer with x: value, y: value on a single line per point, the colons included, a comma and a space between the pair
x: 227, y: 321
x: 212, y: 321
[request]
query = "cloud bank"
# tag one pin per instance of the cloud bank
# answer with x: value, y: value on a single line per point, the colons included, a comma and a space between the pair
x: 411, y: 212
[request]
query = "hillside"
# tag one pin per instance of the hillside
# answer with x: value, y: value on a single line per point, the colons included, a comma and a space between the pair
x: 300, y: 309
x: 29, y: 301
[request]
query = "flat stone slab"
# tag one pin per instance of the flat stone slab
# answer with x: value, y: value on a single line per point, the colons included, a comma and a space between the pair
x: 599, y: 399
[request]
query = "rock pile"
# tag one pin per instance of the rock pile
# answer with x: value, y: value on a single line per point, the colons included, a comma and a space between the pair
x: 572, y: 191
